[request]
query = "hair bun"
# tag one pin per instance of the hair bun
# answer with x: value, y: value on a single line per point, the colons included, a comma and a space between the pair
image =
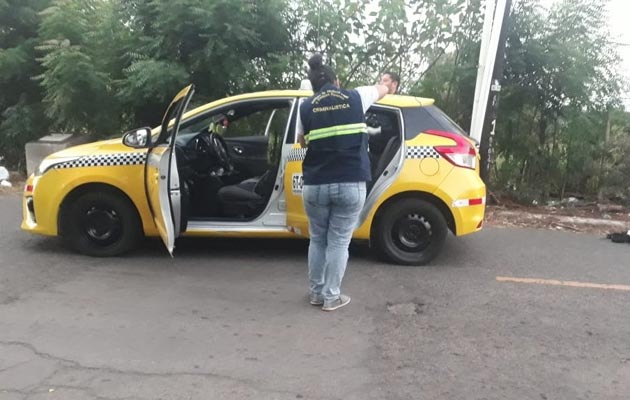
x: 316, y: 61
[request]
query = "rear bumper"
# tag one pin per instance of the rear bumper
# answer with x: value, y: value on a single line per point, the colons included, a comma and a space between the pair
x: 465, y: 194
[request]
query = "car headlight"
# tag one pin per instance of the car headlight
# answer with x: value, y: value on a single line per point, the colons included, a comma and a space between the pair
x: 48, y: 163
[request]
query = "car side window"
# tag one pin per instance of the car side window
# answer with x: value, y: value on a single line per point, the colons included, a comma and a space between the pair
x: 247, y: 119
x: 383, y: 125
x: 276, y: 127
x: 421, y: 119
x: 382, y: 117
x: 292, y: 136
x: 254, y: 124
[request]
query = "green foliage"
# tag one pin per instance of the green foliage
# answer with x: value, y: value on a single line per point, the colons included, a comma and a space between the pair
x: 20, y: 123
x: 559, y: 80
x: 21, y: 114
x: 222, y: 46
x: 364, y: 39
x: 451, y: 78
x: 73, y: 67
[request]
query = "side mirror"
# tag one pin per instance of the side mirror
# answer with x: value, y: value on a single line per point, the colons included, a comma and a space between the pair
x: 138, y: 138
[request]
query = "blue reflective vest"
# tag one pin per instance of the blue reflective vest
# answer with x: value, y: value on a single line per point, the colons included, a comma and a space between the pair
x: 336, y: 133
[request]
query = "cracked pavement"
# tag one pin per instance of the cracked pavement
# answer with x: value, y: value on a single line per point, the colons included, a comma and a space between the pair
x: 228, y: 319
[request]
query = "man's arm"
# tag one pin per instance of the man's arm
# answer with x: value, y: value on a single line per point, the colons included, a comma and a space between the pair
x: 371, y: 94
x: 300, y: 131
x: 382, y: 91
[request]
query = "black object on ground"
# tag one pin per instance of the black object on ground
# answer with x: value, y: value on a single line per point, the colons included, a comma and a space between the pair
x: 620, y: 237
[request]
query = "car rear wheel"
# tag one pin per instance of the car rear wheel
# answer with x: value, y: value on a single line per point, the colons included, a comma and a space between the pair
x: 410, y: 231
x: 101, y: 224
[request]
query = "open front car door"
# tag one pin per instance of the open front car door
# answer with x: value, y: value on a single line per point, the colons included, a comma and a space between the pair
x: 161, y: 176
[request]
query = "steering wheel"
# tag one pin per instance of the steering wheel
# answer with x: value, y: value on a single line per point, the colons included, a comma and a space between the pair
x: 220, y: 150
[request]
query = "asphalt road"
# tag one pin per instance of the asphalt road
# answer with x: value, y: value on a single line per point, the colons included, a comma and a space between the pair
x: 229, y: 320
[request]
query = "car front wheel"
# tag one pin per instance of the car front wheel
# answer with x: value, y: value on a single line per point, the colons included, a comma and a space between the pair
x: 410, y: 231
x: 101, y: 224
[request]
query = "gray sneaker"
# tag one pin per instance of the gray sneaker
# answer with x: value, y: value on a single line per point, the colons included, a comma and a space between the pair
x: 316, y: 299
x: 339, y: 302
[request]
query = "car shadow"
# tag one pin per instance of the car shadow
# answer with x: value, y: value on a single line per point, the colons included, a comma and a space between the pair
x: 456, y: 252
x: 188, y: 247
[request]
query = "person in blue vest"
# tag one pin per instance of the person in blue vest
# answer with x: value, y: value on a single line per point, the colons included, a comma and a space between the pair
x: 331, y: 124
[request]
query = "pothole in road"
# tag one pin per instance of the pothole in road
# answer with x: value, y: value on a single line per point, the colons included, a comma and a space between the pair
x: 411, y: 308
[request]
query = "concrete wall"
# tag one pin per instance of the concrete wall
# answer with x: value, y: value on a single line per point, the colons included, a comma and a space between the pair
x: 38, y: 150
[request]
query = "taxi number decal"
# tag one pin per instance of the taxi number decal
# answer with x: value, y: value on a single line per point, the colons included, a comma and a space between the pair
x: 298, y: 183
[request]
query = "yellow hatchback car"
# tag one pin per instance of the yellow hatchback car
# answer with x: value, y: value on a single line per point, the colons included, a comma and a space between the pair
x: 233, y: 168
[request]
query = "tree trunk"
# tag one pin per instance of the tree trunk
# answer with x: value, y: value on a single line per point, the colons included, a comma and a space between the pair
x: 452, y: 80
x: 600, y: 190
x: 566, y: 169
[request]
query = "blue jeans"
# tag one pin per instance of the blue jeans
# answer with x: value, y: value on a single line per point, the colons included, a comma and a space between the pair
x: 333, y: 213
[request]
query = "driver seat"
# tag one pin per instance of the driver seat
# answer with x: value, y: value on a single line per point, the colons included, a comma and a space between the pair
x: 248, y: 198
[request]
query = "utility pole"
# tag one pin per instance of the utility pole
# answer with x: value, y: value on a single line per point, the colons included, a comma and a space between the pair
x: 489, y: 76
x: 489, y: 126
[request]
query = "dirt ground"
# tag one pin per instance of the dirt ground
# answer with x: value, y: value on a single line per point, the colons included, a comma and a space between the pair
x: 16, y: 188
x: 584, y: 218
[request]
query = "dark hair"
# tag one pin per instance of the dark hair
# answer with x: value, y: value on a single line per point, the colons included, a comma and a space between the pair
x: 395, y: 77
x: 320, y: 74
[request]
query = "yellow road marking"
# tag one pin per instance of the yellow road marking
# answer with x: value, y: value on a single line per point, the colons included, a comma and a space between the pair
x: 555, y: 282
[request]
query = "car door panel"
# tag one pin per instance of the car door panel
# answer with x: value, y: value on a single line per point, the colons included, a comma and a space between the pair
x: 297, y: 220
x: 248, y: 154
x: 161, y: 175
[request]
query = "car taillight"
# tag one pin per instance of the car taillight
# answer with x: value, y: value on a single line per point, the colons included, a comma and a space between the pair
x: 462, y: 154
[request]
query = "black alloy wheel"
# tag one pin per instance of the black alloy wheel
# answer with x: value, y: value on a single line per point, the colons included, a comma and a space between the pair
x: 101, y: 224
x: 410, y: 231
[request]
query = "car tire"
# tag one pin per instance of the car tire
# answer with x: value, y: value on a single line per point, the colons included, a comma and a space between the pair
x: 410, y: 231
x: 101, y: 224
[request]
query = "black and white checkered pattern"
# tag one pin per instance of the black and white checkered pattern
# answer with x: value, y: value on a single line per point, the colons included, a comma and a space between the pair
x: 296, y: 155
x: 422, y: 152
x: 105, y: 160
x: 412, y: 152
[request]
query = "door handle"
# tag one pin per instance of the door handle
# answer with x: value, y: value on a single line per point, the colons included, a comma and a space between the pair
x: 238, y: 150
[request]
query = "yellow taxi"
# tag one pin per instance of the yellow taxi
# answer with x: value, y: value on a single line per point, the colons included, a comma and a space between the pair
x: 233, y: 168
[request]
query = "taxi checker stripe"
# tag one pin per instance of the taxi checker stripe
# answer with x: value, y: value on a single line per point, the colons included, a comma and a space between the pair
x: 337, y: 130
x: 296, y: 155
x: 422, y: 152
x: 417, y: 152
x: 104, y: 160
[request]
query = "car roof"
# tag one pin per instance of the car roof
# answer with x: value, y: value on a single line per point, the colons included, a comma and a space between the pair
x: 393, y: 100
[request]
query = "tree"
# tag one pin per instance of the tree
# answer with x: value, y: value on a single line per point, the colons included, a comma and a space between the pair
x: 559, y: 79
x: 129, y: 58
x: 21, y: 113
x: 223, y: 47
x: 364, y: 39
x: 451, y: 79
x: 75, y: 68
